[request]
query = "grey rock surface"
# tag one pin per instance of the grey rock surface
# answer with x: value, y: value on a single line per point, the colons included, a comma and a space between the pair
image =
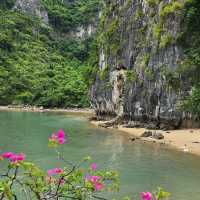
x: 150, y: 96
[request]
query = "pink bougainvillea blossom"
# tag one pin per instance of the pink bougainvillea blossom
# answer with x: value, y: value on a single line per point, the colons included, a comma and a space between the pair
x: 20, y: 157
x: 14, y: 158
x: 60, y: 181
x: 95, y: 180
x: 98, y: 186
x: 17, y: 157
x: 146, y: 196
x: 93, y: 166
x: 7, y: 154
x: 58, y: 138
x: 53, y: 136
x: 55, y: 171
x: 61, y: 140
x: 61, y: 133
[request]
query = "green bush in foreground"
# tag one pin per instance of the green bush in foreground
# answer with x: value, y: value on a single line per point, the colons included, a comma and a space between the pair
x: 71, y: 182
x: 192, y: 103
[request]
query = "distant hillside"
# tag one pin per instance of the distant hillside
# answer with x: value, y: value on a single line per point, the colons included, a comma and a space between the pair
x: 44, y: 51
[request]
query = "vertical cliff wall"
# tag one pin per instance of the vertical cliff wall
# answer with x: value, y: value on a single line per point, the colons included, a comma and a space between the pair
x: 139, y: 55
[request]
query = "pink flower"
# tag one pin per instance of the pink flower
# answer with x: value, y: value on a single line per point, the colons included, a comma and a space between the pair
x: 17, y: 157
x: 14, y: 158
x: 54, y: 171
x: 50, y: 172
x: 146, y: 196
x: 61, y: 140
x: 7, y: 154
x: 95, y: 182
x: 20, y: 157
x: 61, y: 134
x: 61, y: 181
x: 93, y: 166
x: 58, y: 138
x: 98, y: 186
x: 53, y: 136
x: 93, y: 179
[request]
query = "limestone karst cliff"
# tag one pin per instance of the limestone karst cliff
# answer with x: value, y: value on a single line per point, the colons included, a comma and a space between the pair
x: 140, y: 54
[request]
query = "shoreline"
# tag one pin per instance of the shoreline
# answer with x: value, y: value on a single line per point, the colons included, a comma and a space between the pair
x: 185, y: 140
x: 40, y: 109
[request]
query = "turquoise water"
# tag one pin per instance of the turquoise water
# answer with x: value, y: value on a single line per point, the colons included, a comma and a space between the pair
x: 141, y: 166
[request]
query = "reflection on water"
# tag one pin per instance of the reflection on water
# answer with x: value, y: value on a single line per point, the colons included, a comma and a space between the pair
x: 114, y: 143
x: 142, y: 166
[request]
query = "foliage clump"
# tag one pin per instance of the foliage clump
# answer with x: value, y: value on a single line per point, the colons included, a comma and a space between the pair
x: 153, y: 2
x: 7, y: 4
x: 165, y: 40
x: 190, y: 67
x: 131, y: 75
x: 68, y: 15
x: 192, y: 102
x: 171, y: 8
x: 82, y: 180
x: 38, y: 64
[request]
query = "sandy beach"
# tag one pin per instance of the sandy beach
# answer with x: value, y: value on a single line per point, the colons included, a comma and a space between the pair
x: 186, y: 140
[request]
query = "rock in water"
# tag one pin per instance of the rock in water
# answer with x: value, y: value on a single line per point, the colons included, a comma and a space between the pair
x: 158, y: 136
x: 147, y: 134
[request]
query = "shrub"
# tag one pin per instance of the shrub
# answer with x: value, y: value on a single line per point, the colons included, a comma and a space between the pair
x: 171, y: 8
x: 148, y: 73
x: 157, y: 30
x: 192, y: 103
x: 165, y: 40
x: 4, y: 4
x: 104, y: 73
x: 131, y: 75
x: 153, y: 2
x: 74, y: 181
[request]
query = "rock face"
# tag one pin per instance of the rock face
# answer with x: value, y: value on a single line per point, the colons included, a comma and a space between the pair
x: 33, y: 7
x: 139, y: 52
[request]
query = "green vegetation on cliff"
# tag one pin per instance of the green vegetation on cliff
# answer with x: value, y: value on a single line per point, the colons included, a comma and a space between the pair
x: 190, y: 68
x: 66, y: 16
x: 39, y: 65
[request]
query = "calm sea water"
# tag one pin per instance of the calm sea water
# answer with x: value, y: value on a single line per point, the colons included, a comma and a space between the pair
x: 141, y: 166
